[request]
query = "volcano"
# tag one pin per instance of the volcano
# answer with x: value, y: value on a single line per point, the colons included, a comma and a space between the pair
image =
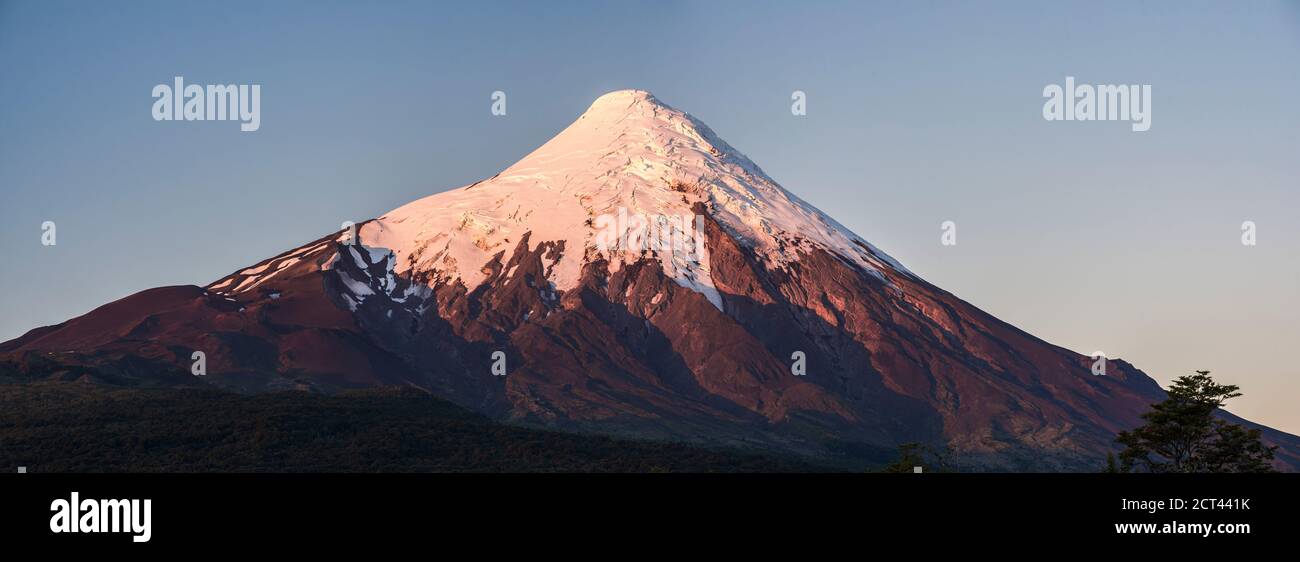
x: 773, y: 327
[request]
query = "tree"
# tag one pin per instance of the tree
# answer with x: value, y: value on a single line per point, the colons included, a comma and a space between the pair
x: 912, y: 455
x: 1112, y: 466
x: 1183, y: 434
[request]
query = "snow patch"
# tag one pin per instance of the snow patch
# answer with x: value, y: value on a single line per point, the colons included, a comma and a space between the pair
x: 627, y: 150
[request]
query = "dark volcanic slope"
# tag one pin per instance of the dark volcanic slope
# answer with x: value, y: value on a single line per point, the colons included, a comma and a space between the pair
x: 635, y: 354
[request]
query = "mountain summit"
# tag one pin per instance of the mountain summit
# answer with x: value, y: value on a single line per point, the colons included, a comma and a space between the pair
x: 543, y: 296
x: 627, y: 153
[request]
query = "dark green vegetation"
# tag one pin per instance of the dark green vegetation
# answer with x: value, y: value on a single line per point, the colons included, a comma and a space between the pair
x: 1183, y: 434
x: 912, y: 455
x: 79, y: 427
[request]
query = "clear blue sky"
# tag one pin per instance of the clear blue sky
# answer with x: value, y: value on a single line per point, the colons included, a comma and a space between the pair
x: 1085, y: 234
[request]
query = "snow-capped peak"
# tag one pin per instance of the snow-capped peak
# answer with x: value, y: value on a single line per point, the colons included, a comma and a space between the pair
x: 628, y: 153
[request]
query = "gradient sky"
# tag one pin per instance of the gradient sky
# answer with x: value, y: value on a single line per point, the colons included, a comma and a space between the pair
x: 1087, y: 235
